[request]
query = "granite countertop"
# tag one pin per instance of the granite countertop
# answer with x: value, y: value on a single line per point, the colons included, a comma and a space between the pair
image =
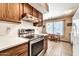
x: 9, y: 41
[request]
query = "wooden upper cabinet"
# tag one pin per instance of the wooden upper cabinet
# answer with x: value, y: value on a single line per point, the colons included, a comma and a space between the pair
x: 13, y: 12
x: 28, y: 9
x: 40, y: 15
x: 35, y: 13
x: 1, y: 10
x: 40, y: 19
x: 4, y: 10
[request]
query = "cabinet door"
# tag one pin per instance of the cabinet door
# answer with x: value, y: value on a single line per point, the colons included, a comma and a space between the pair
x: 40, y: 19
x: 4, y: 10
x: 13, y: 12
x: 28, y: 9
x: 1, y: 11
x: 20, y: 50
x: 35, y: 13
x: 40, y: 15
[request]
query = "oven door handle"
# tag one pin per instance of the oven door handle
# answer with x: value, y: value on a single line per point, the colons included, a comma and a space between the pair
x: 36, y: 40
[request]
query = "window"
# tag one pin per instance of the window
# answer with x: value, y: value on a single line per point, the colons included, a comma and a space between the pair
x: 49, y: 28
x: 55, y: 27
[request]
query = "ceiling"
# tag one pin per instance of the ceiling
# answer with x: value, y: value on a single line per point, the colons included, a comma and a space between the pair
x: 58, y: 9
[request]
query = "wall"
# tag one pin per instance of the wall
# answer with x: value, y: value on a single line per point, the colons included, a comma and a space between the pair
x: 67, y: 29
x: 23, y: 25
x: 67, y: 36
x: 11, y: 29
x: 6, y: 27
x: 38, y: 30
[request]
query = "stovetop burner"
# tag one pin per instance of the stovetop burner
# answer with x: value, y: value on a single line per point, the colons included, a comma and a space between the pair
x: 30, y: 37
x: 34, y: 37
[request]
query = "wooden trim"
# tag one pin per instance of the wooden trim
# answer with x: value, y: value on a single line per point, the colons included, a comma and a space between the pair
x: 64, y: 41
x: 22, y: 10
x: 19, y: 12
x: 64, y: 28
x: 29, y: 48
x: 11, y: 21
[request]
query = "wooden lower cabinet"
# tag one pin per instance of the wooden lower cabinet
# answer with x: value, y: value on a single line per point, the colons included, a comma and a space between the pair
x: 1, y: 10
x: 21, y: 50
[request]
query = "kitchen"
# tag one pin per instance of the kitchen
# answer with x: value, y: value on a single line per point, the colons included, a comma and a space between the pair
x: 26, y: 30
x: 21, y: 24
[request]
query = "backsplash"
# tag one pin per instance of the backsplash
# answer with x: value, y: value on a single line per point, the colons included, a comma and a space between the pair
x: 23, y: 25
x: 38, y: 30
x: 11, y: 29
x: 6, y: 27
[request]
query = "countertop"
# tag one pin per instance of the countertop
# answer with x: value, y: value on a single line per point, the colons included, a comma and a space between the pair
x: 9, y: 41
x: 42, y: 34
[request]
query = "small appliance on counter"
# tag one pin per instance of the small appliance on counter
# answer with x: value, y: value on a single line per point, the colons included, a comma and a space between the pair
x: 25, y: 32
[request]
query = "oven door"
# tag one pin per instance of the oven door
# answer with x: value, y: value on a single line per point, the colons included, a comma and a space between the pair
x: 36, y: 48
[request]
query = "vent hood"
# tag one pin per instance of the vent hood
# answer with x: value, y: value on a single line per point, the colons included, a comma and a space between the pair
x: 29, y: 18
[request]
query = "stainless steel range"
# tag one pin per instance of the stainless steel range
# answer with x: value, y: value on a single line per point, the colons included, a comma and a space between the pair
x: 36, y: 44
